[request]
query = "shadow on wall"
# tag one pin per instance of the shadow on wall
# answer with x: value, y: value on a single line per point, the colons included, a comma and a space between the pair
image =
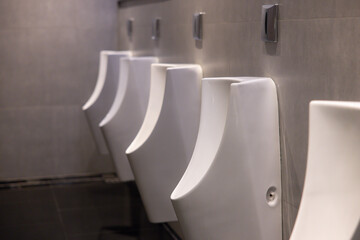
x: 129, y: 3
x: 272, y: 49
x: 357, y: 232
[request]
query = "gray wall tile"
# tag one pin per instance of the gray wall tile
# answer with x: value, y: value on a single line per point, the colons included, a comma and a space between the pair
x: 95, y: 14
x: 49, y: 56
x: 47, y: 141
x: 215, y: 50
x: 13, y: 13
x: 242, y: 10
x: 176, y: 43
x: 52, y: 11
x: 141, y: 42
x: 25, y: 145
x: 73, y: 147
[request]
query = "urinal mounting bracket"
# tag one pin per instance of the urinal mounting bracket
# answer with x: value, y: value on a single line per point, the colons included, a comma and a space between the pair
x: 272, y: 196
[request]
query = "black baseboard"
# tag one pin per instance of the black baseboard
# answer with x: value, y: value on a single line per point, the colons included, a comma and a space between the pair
x: 22, y: 183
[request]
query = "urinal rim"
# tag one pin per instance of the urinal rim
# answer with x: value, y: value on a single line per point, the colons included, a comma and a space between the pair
x: 100, y: 82
x: 150, y: 116
x: 335, y: 103
x: 238, y: 82
x: 118, y: 103
x: 115, y: 53
x: 134, y: 147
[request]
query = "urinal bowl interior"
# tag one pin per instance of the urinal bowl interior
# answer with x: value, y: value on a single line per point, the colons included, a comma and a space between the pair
x: 156, y: 96
x: 103, y: 95
x: 127, y: 111
x: 162, y: 149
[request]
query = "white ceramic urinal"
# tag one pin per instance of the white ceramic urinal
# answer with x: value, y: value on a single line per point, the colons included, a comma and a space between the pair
x: 232, y: 188
x: 127, y: 113
x: 104, y: 93
x: 162, y: 149
x: 330, y: 204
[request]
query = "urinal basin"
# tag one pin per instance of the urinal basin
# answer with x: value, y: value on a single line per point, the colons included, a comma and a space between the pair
x: 103, y: 95
x: 330, y: 204
x: 127, y: 112
x: 232, y: 186
x: 162, y: 148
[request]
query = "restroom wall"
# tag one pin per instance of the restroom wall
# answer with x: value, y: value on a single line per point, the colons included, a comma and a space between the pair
x: 49, y: 52
x: 316, y: 57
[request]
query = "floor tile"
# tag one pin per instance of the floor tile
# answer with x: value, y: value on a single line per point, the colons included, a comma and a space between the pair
x: 93, y: 210
x: 33, y: 232
x: 91, y: 220
x: 90, y: 195
x: 27, y: 206
x: 28, y: 213
x: 37, y: 194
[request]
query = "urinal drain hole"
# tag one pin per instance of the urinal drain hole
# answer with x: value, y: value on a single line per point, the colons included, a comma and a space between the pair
x: 271, y: 196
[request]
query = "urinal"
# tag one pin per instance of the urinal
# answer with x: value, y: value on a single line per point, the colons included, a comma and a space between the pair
x: 127, y: 112
x: 162, y: 148
x: 232, y: 186
x: 330, y: 204
x: 103, y: 95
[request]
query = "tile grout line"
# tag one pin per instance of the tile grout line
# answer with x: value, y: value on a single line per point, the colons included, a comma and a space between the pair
x: 59, y: 213
x: 171, y: 231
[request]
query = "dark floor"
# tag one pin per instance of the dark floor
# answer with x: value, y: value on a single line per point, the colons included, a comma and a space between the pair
x: 93, y: 210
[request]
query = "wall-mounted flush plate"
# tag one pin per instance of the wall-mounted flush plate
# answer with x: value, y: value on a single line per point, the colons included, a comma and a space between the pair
x: 269, y: 20
x: 198, y: 26
x: 155, y: 29
x: 129, y: 27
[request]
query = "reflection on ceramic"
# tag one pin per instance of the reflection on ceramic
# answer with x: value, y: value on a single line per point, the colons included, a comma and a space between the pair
x: 127, y: 112
x: 104, y: 93
x: 162, y: 149
x: 330, y: 205
x: 232, y: 187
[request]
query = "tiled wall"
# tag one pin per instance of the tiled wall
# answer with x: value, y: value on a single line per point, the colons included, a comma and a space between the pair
x: 317, y: 57
x: 49, y: 52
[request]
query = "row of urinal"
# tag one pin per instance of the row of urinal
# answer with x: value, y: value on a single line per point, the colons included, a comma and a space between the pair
x: 206, y: 152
